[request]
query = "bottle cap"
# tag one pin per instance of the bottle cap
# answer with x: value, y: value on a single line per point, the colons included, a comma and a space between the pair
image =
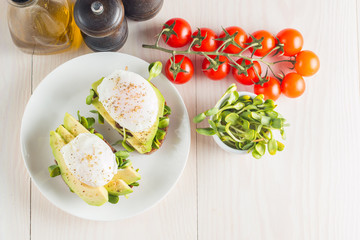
x: 98, y: 18
x: 21, y: 3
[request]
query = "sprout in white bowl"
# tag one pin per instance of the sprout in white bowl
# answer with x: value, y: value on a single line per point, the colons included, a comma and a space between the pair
x: 241, y: 122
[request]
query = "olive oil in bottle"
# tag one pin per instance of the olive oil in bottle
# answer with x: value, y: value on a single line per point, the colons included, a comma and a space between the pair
x: 42, y: 26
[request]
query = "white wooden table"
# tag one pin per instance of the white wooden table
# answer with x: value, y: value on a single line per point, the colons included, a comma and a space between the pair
x: 309, y: 191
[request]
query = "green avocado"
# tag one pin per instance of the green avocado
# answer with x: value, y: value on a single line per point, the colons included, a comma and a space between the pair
x: 128, y: 174
x: 141, y: 141
x: 118, y: 187
x: 92, y: 195
x: 73, y: 125
x: 121, y: 180
x: 95, y: 196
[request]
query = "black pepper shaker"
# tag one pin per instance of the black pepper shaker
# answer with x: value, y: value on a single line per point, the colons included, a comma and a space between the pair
x: 102, y: 23
x: 141, y: 10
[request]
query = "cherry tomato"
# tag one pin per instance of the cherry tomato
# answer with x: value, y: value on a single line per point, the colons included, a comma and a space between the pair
x: 268, y: 42
x: 220, y: 73
x: 209, y: 44
x: 307, y: 63
x: 240, y: 38
x: 183, y: 33
x: 293, y: 85
x: 251, y: 77
x: 181, y: 77
x: 270, y: 89
x: 292, y: 39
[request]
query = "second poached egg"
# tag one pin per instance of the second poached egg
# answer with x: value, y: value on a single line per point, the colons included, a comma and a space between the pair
x: 90, y: 159
x: 129, y: 99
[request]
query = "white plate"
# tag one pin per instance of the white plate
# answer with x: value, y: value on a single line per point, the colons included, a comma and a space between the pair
x: 65, y: 90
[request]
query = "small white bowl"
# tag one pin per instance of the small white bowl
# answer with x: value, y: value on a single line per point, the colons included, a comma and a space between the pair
x: 217, y: 139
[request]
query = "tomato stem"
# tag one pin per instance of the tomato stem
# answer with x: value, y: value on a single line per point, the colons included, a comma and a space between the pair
x: 191, y: 44
x: 159, y: 36
x: 284, y: 60
x: 249, y: 46
x: 258, y: 75
x: 222, y: 45
x: 238, y: 65
x: 219, y: 52
x: 272, y: 50
x: 199, y: 53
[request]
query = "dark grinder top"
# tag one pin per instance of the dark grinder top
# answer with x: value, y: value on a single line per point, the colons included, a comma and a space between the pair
x: 98, y: 18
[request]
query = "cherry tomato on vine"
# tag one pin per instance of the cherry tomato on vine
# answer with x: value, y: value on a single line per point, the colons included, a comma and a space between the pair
x: 268, y: 42
x: 209, y: 44
x: 222, y: 71
x: 183, y: 71
x: 292, y: 39
x: 270, y: 89
x: 307, y: 63
x: 240, y: 39
x: 251, y: 78
x: 293, y: 85
x: 183, y: 33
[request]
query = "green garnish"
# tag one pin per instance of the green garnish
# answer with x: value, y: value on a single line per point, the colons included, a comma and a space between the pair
x: 121, y: 159
x: 160, y: 134
x: 244, y: 123
x: 100, y: 117
x: 124, y: 164
x: 122, y: 154
x: 54, y: 170
x: 167, y: 110
x: 164, y: 122
x: 154, y: 70
x: 113, y: 199
x: 90, y: 97
x: 86, y: 122
x: 134, y: 184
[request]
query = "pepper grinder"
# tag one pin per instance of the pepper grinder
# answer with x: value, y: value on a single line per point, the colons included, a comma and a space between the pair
x: 142, y: 10
x: 102, y: 23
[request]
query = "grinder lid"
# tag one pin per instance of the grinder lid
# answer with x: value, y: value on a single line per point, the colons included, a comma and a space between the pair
x: 98, y: 18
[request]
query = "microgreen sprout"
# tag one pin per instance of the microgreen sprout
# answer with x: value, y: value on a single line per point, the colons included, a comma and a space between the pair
x: 100, y: 117
x: 154, y: 70
x: 244, y: 123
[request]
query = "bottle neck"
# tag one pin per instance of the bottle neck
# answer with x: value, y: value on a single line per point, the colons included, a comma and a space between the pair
x: 22, y: 3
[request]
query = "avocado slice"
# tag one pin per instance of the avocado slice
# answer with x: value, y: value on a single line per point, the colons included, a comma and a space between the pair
x: 73, y: 125
x: 92, y: 195
x: 121, y: 180
x: 128, y: 174
x: 118, y: 187
x: 141, y: 141
x: 95, y: 196
x: 65, y: 134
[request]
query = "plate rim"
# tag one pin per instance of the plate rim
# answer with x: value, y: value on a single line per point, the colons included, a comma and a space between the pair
x: 26, y: 109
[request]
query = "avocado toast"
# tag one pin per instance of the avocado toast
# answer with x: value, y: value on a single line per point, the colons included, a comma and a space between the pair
x: 134, y: 107
x: 123, y: 175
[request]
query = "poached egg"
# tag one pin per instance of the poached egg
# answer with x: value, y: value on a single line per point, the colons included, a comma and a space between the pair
x: 90, y: 159
x: 130, y: 100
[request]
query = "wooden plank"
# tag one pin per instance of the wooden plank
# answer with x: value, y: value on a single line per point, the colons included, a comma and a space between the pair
x: 15, y: 82
x: 175, y: 216
x: 309, y: 191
